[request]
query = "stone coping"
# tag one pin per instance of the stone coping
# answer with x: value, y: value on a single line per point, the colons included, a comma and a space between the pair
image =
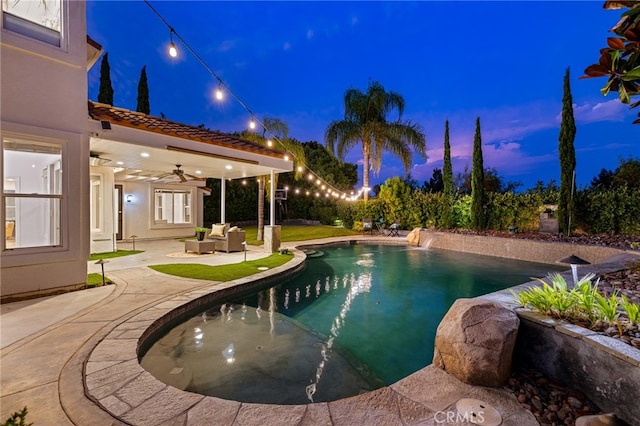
x: 114, y: 379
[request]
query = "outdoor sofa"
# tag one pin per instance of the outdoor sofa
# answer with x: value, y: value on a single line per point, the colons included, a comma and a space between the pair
x: 228, y: 238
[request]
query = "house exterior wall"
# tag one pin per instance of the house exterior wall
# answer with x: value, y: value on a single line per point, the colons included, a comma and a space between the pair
x: 138, y: 219
x: 43, y: 97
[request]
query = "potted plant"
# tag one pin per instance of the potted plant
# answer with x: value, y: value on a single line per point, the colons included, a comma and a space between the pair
x: 200, y: 232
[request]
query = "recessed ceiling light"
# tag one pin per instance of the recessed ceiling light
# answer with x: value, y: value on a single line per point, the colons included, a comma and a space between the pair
x: 198, y: 172
x: 228, y: 167
x: 144, y: 154
x: 119, y: 163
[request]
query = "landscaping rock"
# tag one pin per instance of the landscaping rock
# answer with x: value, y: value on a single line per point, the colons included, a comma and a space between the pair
x: 475, y: 342
x: 413, y: 238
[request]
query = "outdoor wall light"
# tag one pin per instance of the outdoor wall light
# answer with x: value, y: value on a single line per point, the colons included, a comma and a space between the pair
x: 129, y: 198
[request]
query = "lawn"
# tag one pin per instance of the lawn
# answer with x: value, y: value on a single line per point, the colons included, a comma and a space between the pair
x: 237, y: 270
x: 223, y: 272
x: 112, y: 254
x: 301, y: 233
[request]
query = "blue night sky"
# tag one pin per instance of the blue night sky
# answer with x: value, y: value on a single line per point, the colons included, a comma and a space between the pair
x: 501, y: 61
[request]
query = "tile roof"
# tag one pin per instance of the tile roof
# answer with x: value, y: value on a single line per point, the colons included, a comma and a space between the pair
x: 141, y: 121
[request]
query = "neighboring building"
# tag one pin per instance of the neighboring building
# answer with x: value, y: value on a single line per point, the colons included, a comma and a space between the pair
x: 64, y: 194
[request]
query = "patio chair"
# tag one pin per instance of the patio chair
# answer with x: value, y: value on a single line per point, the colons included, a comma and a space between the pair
x: 394, y: 228
x: 367, y: 226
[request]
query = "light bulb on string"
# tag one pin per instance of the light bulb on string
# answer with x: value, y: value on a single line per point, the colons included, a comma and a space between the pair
x: 220, y: 94
x: 173, y: 52
x: 269, y: 142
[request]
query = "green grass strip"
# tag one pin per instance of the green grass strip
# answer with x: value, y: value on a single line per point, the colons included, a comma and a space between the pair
x: 95, y: 280
x: 301, y: 233
x: 112, y: 254
x: 222, y: 272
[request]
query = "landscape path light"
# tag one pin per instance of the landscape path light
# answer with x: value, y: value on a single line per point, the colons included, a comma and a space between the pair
x: 574, y: 261
x: 101, y: 262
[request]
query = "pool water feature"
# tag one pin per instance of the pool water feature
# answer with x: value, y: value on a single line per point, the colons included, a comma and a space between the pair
x: 358, y: 317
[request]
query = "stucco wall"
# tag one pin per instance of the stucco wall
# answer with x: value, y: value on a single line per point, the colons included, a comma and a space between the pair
x: 44, y: 98
x: 137, y: 218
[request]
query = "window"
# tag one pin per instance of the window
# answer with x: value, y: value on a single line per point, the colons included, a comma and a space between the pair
x: 32, y: 193
x: 172, y: 206
x: 38, y: 19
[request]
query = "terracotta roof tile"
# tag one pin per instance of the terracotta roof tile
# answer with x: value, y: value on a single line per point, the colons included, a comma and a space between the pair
x: 139, y: 120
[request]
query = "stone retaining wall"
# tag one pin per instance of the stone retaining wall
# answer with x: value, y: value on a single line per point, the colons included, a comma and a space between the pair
x: 605, y: 369
x: 514, y: 248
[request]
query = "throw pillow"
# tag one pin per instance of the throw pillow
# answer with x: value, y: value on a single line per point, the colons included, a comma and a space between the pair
x: 217, y: 231
x: 233, y: 229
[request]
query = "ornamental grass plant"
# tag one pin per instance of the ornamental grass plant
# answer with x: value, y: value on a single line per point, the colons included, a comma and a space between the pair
x: 582, y: 304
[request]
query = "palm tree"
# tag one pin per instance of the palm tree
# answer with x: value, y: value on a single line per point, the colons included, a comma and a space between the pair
x: 365, y: 120
x: 279, y: 130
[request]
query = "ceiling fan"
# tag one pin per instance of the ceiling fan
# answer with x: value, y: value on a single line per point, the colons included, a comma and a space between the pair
x: 182, y: 175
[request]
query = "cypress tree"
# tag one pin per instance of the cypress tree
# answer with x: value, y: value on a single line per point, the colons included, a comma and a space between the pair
x: 477, y: 183
x: 447, y: 170
x: 105, y: 93
x: 143, y: 93
x: 447, y: 178
x: 567, y: 154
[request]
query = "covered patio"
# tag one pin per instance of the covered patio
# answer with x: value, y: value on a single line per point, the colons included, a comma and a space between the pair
x: 148, y: 174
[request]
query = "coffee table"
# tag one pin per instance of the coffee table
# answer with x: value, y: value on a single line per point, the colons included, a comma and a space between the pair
x: 200, y: 246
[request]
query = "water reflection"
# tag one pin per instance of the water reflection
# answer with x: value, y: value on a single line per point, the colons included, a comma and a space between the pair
x: 354, y: 320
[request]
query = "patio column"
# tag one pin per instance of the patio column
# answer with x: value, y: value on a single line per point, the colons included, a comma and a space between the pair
x: 272, y: 232
x: 272, y: 197
x: 223, y: 191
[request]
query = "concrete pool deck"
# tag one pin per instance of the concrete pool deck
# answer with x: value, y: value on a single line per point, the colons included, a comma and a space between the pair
x: 56, y: 351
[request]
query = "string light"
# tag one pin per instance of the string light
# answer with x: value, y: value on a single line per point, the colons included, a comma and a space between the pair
x: 173, y: 52
x: 219, y: 95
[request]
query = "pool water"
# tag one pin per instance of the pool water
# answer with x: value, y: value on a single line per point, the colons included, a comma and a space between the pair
x: 358, y: 317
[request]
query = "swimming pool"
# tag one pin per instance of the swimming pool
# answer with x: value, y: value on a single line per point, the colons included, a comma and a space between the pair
x: 358, y: 317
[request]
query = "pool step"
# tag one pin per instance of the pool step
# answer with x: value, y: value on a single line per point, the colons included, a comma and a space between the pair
x: 313, y: 253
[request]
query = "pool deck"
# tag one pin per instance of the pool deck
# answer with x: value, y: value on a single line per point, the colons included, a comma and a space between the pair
x: 71, y: 360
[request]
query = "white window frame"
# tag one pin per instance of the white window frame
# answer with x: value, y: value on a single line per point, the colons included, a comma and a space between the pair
x: 159, y: 218
x: 52, y: 176
x: 25, y: 25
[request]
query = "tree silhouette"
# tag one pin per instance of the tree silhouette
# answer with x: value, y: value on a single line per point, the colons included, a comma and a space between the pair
x: 105, y: 92
x: 567, y: 154
x: 143, y: 93
x: 477, y: 183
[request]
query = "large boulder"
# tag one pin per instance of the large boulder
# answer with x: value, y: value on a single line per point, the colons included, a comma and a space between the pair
x: 413, y: 237
x: 475, y: 341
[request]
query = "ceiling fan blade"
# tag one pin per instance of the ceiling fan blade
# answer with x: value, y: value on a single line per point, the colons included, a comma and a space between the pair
x: 182, y: 178
x: 196, y: 177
